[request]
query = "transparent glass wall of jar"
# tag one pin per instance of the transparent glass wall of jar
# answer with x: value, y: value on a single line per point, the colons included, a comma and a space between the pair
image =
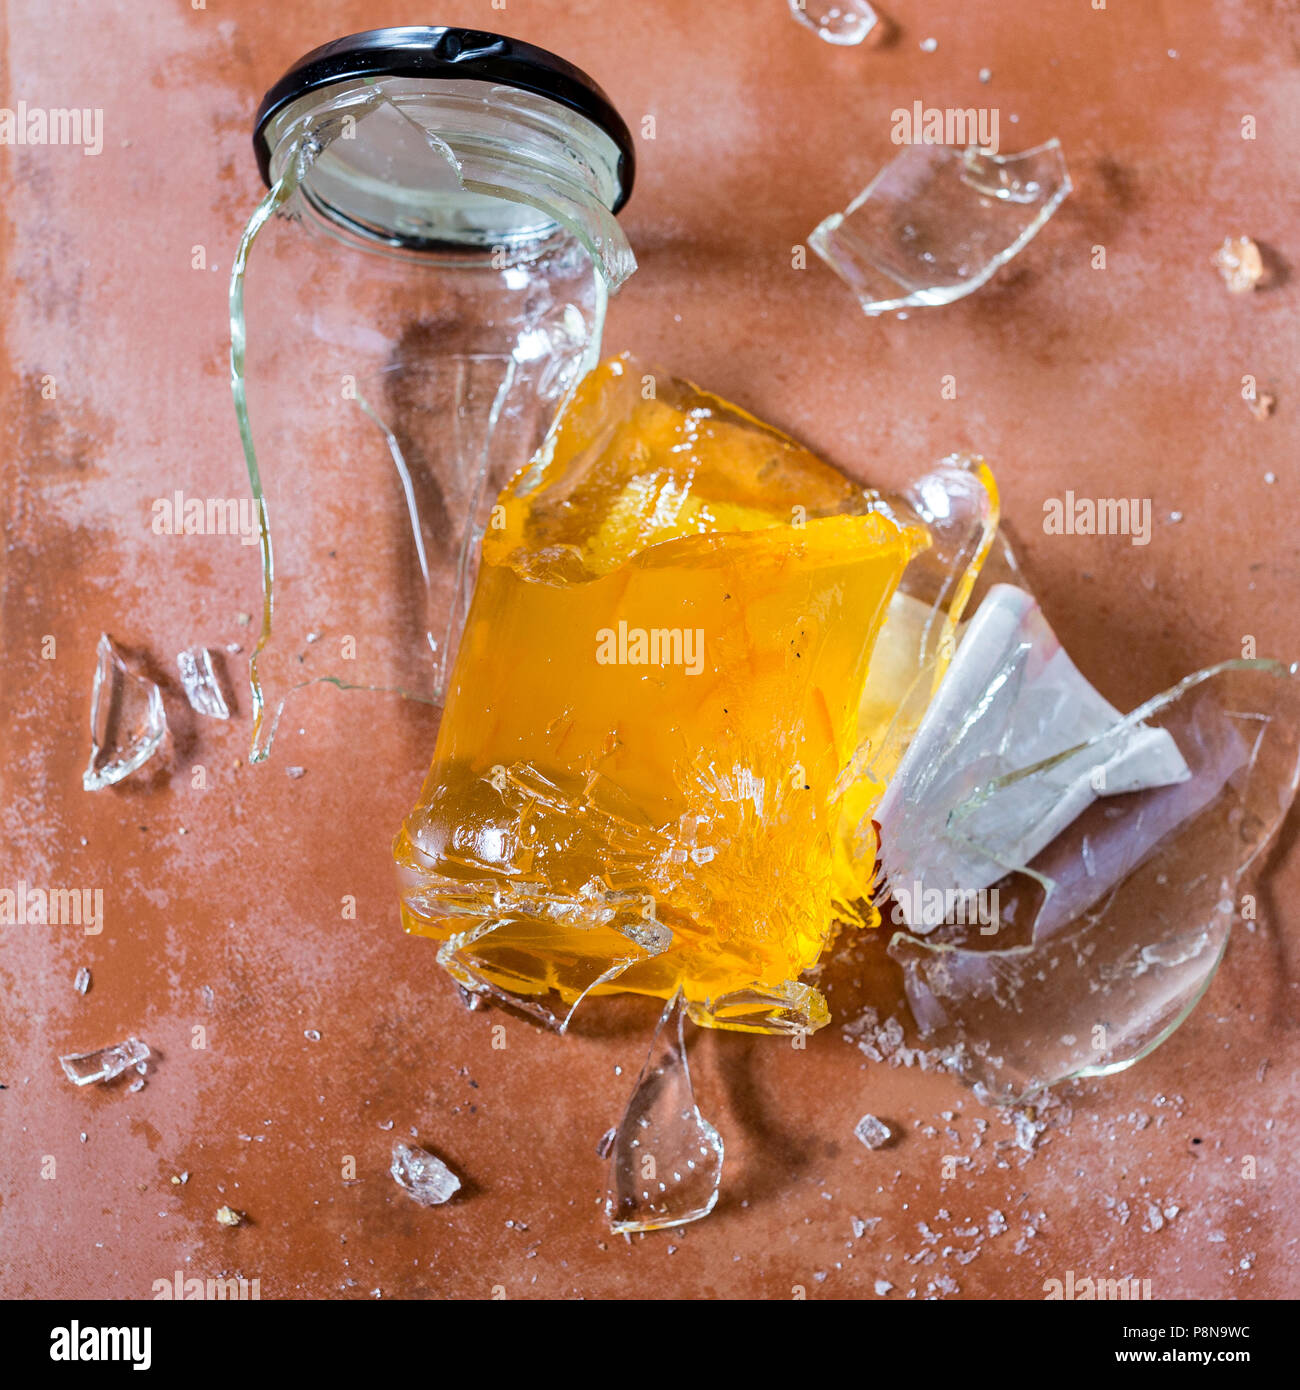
x: 422, y: 285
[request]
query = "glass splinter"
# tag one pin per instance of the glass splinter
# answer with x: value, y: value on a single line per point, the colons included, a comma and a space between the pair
x: 1108, y: 937
x: 841, y: 22
x: 84, y: 1068
x: 666, y: 1158
x: 200, y: 683
x: 936, y: 222
x: 422, y: 1175
x: 127, y: 720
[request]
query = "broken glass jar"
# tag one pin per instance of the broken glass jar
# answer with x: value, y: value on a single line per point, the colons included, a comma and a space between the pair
x: 640, y: 780
x: 422, y: 284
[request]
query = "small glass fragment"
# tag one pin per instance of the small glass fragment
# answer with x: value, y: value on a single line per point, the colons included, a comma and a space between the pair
x: 938, y: 221
x: 882, y: 1287
x: 84, y: 1068
x: 127, y: 719
x: 1240, y: 263
x: 666, y: 1159
x: 422, y: 1176
x: 873, y: 1132
x: 842, y: 22
x: 180, y: 1179
x: 200, y: 683
x: 228, y: 1216
x: 82, y: 982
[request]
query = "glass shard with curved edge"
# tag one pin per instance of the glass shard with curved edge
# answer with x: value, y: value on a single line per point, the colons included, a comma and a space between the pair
x: 957, y: 504
x: 938, y: 221
x: 384, y: 393
x: 1012, y: 699
x: 841, y: 22
x: 1109, y: 936
x: 665, y: 1161
x: 637, y: 779
x: 127, y: 720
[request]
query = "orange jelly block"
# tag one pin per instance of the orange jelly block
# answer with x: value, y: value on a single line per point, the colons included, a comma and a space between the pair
x: 638, y: 778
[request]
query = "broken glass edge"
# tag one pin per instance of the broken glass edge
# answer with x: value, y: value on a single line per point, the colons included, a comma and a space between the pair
x: 1134, y: 719
x: 923, y: 945
x: 932, y: 298
x: 463, y: 969
x: 946, y: 610
x: 1008, y: 627
x: 1096, y: 1069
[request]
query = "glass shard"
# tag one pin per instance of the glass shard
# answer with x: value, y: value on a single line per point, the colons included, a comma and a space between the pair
x: 1241, y: 264
x: 843, y: 22
x: 200, y: 683
x: 85, y: 1068
x: 957, y: 504
x: 1109, y: 936
x: 873, y: 1132
x: 938, y: 221
x: 666, y: 1158
x: 422, y: 1176
x: 228, y: 1216
x: 82, y: 982
x: 1012, y: 699
x: 127, y: 719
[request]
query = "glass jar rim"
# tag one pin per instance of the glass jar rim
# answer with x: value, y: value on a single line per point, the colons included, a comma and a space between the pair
x: 439, y: 53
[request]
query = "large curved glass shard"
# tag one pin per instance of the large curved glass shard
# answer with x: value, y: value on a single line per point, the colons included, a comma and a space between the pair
x: 938, y: 221
x: 1103, y: 942
x: 381, y: 413
x: 127, y: 719
x: 960, y: 812
x: 666, y: 1161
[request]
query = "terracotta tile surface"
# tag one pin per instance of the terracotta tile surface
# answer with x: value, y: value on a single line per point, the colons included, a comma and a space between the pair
x: 1122, y: 381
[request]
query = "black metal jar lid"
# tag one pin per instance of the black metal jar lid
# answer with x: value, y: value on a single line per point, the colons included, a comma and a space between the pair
x: 434, y: 53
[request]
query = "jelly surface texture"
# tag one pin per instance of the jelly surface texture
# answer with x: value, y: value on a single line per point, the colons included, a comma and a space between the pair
x: 639, y: 775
